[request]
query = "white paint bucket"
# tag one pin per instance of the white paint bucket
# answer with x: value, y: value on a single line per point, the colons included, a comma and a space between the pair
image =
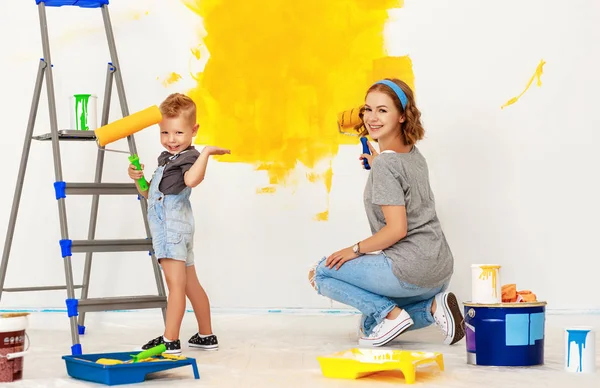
x: 580, y: 350
x: 12, y: 346
x: 84, y: 112
x: 485, y: 284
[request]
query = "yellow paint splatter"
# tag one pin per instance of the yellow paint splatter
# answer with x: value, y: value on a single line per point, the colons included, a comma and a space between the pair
x: 195, y: 52
x: 137, y: 15
x: 323, y: 216
x: 537, y: 74
x: 278, y: 75
x: 266, y: 190
x: 171, y: 79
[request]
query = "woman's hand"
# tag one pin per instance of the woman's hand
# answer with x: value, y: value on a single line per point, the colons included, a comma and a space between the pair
x: 338, y: 258
x: 368, y: 157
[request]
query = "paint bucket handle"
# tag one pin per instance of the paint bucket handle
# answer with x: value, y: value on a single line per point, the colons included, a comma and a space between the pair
x: 11, y: 356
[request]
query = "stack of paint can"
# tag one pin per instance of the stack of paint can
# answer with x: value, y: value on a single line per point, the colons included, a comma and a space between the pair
x: 501, y: 334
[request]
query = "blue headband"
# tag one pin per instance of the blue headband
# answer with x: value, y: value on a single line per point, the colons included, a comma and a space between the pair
x: 397, y: 90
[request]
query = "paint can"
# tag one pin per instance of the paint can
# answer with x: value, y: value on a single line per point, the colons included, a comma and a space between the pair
x: 12, y: 346
x: 580, y: 350
x: 505, y: 334
x: 84, y: 112
x: 485, y: 283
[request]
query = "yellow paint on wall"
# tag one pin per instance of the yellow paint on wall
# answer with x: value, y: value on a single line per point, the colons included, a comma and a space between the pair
x: 171, y: 79
x: 279, y: 72
x: 537, y: 75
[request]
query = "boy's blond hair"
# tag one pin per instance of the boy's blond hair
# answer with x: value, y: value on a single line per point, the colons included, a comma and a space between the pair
x: 176, y: 105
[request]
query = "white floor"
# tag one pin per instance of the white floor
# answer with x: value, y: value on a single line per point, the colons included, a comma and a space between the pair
x: 280, y: 350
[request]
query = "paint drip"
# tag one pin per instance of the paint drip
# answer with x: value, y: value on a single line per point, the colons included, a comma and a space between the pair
x: 83, y: 112
x: 486, y: 272
x: 579, y: 337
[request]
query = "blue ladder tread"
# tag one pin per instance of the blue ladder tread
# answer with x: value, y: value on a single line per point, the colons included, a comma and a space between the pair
x: 77, y: 3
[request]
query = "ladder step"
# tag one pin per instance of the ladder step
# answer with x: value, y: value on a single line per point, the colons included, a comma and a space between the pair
x: 122, y: 303
x: 131, y: 245
x: 68, y: 134
x: 42, y: 288
x: 77, y: 3
x: 100, y: 188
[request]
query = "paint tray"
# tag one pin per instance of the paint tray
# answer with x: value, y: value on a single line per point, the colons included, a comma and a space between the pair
x: 84, y: 367
x: 355, y: 363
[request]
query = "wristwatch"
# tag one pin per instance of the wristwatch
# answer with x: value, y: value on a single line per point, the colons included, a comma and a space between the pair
x: 356, y: 249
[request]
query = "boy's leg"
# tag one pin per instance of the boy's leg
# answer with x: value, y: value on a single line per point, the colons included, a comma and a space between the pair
x: 204, y: 339
x: 175, y: 275
x: 199, y: 300
x: 174, y: 271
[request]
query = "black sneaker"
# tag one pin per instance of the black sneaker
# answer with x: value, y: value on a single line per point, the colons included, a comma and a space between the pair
x: 206, y: 343
x: 173, y: 347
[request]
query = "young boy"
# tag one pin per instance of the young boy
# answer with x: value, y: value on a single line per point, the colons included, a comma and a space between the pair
x: 180, y: 168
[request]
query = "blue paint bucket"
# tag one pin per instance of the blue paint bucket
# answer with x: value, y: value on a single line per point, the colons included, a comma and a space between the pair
x: 505, y: 334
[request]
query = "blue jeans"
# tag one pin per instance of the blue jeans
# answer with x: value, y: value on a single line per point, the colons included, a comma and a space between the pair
x: 368, y: 284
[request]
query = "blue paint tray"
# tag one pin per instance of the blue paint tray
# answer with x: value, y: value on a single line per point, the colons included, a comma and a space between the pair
x: 84, y: 367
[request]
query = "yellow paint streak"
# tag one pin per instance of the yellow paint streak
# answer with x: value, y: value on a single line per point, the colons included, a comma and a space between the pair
x: 279, y: 73
x: 326, y: 177
x: 486, y: 272
x: 171, y: 79
x: 538, y: 74
x: 266, y: 190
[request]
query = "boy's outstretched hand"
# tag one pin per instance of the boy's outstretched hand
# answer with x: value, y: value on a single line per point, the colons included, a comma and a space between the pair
x: 213, y: 150
x: 134, y: 173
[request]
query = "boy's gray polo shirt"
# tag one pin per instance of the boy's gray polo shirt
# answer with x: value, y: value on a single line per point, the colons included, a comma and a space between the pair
x: 176, y: 166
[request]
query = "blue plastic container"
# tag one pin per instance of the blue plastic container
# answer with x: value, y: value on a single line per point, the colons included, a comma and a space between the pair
x: 505, y: 334
x: 84, y: 367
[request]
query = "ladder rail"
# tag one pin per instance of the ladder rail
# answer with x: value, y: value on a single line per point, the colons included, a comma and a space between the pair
x: 62, y: 208
x: 14, y: 211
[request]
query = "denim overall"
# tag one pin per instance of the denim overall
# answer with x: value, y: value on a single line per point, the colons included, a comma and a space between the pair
x: 171, y: 222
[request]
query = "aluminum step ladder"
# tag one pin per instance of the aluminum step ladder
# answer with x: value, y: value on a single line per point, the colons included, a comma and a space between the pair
x: 76, y: 308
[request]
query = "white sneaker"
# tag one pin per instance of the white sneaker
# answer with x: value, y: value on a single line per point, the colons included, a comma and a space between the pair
x: 387, y: 330
x: 449, y: 318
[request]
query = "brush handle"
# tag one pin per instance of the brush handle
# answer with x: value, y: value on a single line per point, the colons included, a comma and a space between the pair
x: 365, y: 150
x: 135, y: 160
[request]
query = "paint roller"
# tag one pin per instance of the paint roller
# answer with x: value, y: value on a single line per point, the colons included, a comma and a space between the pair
x: 128, y: 126
x: 349, y: 123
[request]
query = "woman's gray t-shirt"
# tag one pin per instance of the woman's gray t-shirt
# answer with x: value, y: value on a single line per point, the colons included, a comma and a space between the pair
x: 423, y: 257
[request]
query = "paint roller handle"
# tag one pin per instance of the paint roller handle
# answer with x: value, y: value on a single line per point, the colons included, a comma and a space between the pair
x: 155, y: 351
x: 365, y: 150
x: 135, y: 160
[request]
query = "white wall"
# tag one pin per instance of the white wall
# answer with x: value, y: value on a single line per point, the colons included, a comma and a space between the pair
x: 516, y: 186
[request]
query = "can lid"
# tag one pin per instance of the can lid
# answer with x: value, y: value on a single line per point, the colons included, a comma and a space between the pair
x: 506, y: 305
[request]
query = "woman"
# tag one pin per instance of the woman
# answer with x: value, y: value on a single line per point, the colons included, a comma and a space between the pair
x: 403, y: 287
